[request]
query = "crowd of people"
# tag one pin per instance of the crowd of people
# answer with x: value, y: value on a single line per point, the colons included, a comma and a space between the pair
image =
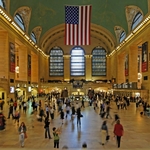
x: 45, y: 111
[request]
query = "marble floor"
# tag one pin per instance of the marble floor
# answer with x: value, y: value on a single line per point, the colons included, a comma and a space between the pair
x: 136, y: 131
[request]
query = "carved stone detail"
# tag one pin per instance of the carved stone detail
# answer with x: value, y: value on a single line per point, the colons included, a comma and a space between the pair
x: 131, y: 12
x: 118, y: 30
x: 25, y: 13
x: 5, y: 2
x: 37, y: 31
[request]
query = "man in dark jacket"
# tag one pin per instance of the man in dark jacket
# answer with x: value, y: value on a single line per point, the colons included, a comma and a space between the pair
x: 79, y: 116
x: 47, y: 131
x: 10, y: 111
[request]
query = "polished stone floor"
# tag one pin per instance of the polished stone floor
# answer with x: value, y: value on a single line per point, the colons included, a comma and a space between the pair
x: 136, y: 131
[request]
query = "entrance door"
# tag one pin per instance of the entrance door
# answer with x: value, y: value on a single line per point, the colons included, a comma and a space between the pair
x: 3, y: 95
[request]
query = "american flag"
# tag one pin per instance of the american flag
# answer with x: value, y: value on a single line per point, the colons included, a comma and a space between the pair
x: 77, y: 25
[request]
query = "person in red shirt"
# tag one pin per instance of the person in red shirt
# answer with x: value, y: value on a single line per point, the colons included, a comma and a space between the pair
x: 15, y: 105
x: 118, y: 131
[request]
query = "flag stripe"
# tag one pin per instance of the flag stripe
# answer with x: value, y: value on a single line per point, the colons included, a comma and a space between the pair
x: 77, y: 28
x: 76, y: 35
x: 80, y: 25
x: 88, y: 25
x: 71, y: 34
x: 83, y: 24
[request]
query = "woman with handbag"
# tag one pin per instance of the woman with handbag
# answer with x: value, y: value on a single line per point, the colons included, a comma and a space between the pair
x: 104, y: 132
x: 22, y: 133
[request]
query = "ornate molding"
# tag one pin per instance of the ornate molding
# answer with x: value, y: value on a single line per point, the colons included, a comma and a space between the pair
x: 25, y: 13
x: 118, y: 30
x: 37, y: 31
x: 131, y: 11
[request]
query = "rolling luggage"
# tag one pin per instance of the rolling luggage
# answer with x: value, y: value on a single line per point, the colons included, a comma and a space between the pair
x: 103, y: 114
x: 141, y: 113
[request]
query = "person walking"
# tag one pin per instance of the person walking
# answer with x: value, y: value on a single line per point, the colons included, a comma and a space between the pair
x: 118, y: 132
x: 25, y: 107
x: 104, y: 132
x: 10, y: 111
x: 22, y: 133
x: 108, y: 111
x: 67, y: 111
x: 62, y: 115
x: 41, y: 114
x: 15, y: 105
x: 116, y: 117
x: 51, y: 112
x: 47, y: 109
x: 118, y: 104
x: 17, y: 117
x: 82, y: 103
x: 2, y: 121
x: 73, y: 112
x: 79, y: 115
x: 47, y: 131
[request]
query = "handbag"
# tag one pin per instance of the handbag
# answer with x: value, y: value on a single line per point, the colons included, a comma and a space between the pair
x: 107, y: 137
x: 25, y: 135
x: 81, y: 115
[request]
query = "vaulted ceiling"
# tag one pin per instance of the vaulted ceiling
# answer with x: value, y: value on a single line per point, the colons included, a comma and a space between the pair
x: 50, y: 16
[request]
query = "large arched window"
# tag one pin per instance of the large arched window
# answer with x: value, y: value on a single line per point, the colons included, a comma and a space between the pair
x: 99, y: 62
x: 77, y: 62
x: 18, y: 19
x: 33, y: 37
x: 122, y: 36
x: 137, y: 19
x: 2, y: 4
x: 56, y: 62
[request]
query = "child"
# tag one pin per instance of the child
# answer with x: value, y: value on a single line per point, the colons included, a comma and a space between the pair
x: 56, y: 137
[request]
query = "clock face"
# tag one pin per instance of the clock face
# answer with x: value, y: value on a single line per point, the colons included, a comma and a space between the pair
x: 17, y: 69
x: 139, y: 75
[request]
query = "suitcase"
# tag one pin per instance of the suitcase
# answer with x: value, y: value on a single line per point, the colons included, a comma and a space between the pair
x: 107, y: 137
x: 141, y: 113
x: 103, y: 115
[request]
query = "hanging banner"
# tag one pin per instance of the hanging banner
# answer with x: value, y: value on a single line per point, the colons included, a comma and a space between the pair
x: 29, y: 65
x: 139, y: 63
x: 12, y: 57
x: 127, y: 65
x: 144, y: 57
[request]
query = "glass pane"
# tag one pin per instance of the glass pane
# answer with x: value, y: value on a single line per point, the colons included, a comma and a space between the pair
x: 99, y: 62
x: 122, y: 36
x: 138, y: 18
x: 33, y: 37
x: 19, y: 21
x: 56, y: 62
x: 77, y: 62
x: 2, y: 4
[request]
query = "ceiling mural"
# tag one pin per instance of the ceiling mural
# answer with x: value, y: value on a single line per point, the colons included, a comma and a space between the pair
x: 50, y: 13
